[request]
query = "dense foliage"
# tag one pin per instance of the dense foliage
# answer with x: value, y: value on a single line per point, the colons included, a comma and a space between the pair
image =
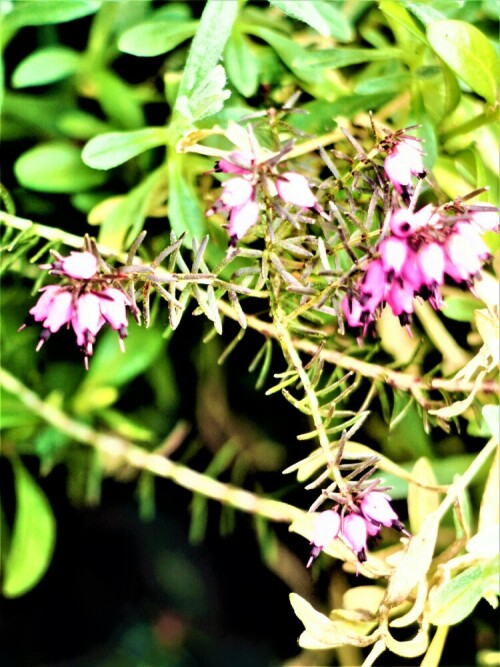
x: 284, y: 214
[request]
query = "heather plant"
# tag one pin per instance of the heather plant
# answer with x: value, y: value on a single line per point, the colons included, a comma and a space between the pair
x: 321, y: 177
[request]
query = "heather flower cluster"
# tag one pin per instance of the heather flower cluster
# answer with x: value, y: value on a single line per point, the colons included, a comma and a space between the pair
x: 414, y: 258
x: 364, y: 519
x: 85, y: 302
x: 239, y: 193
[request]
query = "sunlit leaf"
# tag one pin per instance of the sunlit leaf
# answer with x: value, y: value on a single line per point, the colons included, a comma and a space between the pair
x: 46, y: 65
x: 56, y: 166
x: 156, y: 37
x: 469, y: 53
x: 33, y: 536
x: 455, y: 600
x: 114, y: 148
x: 324, y: 17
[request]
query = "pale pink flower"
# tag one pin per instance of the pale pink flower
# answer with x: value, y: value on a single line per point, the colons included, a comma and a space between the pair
x: 81, y: 265
x: 242, y: 218
x: 326, y: 529
x: 238, y: 162
x: 393, y: 252
x: 403, y: 162
x: 113, y: 304
x: 60, y: 313
x: 294, y: 189
x: 486, y: 220
x: 355, y: 533
x: 376, y: 507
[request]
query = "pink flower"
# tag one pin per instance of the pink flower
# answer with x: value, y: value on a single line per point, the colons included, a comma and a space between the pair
x: 87, y: 321
x: 81, y: 265
x: 355, y: 533
x: 238, y: 162
x: 294, y: 189
x: 353, y: 311
x: 113, y: 304
x: 430, y: 260
x: 242, y: 218
x: 401, y: 223
x: 373, y: 286
x: 403, y: 162
x: 43, y: 306
x: 400, y: 299
x: 485, y: 219
x: 393, y: 252
x: 326, y: 529
x: 376, y: 508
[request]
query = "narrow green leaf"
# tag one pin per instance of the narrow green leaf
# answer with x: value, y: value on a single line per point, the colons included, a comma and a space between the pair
x: 46, y: 65
x: 344, y: 57
x: 469, y: 53
x: 55, y: 166
x: 33, y: 536
x: 322, y: 16
x: 156, y: 37
x: 208, y: 44
x: 241, y: 64
x: 184, y: 209
x: 454, y: 601
x: 38, y: 12
x: 111, y: 149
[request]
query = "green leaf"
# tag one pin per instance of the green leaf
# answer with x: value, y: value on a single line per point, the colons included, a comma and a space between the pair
x: 469, y: 54
x: 241, y: 64
x: 454, y: 601
x: 108, y: 368
x: 385, y: 82
x: 399, y: 18
x: 111, y: 149
x: 184, y: 209
x: 208, y: 97
x: 322, y: 16
x: 343, y: 57
x: 33, y: 536
x: 42, y: 12
x: 55, y: 166
x: 46, y: 65
x: 117, y: 99
x: 156, y: 37
x: 460, y: 308
x: 206, y: 49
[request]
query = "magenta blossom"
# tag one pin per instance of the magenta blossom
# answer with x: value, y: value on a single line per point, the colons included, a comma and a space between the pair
x: 355, y: 533
x: 294, y: 189
x: 326, y: 529
x: 376, y: 508
x: 404, y: 161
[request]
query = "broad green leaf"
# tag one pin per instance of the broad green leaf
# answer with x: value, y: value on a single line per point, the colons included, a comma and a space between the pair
x: 457, y: 598
x: 117, y: 99
x: 124, y: 221
x: 469, y: 53
x: 398, y: 18
x: 343, y: 57
x: 111, y: 149
x: 386, y: 82
x: 206, y: 49
x: 489, y: 512
x: 56, y: 166
x: 460, y: 308
x: 42, y: 12
x: 241, y: 64
x: 33, y: 536
x: 208, y: 97
x: 425, y: 13
x: 184, y: 209
x: 156, y: 37
x: 46, y: 65
x: 421, y: 502
x: 108, y: 368
x: 322, y: 16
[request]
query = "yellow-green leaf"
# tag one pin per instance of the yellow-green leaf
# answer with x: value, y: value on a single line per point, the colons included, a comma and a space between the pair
x: 33, y: 536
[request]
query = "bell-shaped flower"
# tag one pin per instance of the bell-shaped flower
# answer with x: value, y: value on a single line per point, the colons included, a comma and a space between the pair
x: 43, y: 306
x: 401, y: 223
x: 430, y: 258
x: 462, y: 260
x: 86, y: 322
x: 376, y: 507
x: 294, y: 189
x: 373, y: 286
x: 400, y: 299
x: 353, y: 311
x: 81, y: 265
x: 393, y: 252
x: 242, y: 218
x: 326, y: 529
x: 113, y: 304
x: 355, y: 533
x: 61, y: 311
x: 237, y: 162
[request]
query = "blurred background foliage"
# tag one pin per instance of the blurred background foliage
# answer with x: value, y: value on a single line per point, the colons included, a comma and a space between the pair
x: 94, y: 104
